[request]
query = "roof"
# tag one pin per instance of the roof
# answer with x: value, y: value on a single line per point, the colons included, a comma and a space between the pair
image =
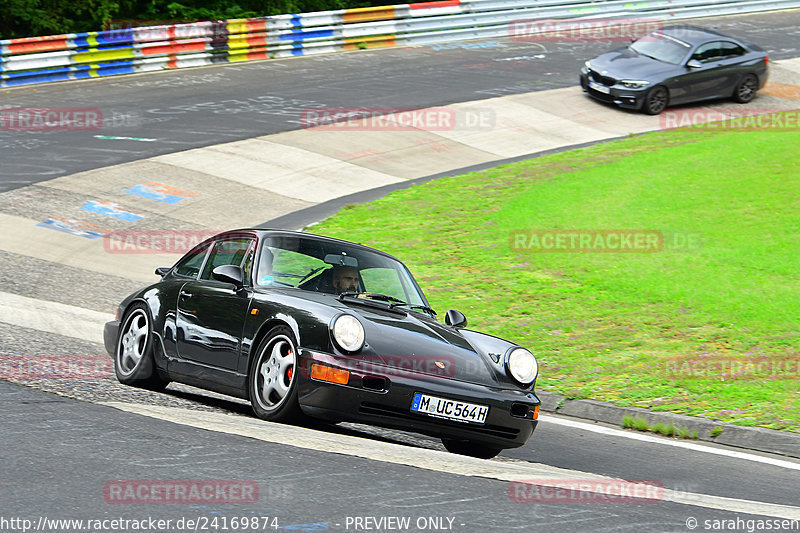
x: 694, y: 34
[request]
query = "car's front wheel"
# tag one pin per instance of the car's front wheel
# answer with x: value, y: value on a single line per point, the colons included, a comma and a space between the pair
x: 746, y: 90
x: 272, y: 382
x: 470, y: 448
x: 656, y: 100
x: 133, y: 357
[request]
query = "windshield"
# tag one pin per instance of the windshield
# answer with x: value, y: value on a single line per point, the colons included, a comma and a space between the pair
x: 329, y: 267
x: 662, y: 47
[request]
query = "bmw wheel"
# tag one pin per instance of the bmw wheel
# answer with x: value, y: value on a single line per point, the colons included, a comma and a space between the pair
x: 656, y: 100
x: 746, y: 90
x: 133, y: 357
x: 272, y: 383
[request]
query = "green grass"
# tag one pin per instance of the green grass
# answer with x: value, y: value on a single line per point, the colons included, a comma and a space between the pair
x: 666, y: 331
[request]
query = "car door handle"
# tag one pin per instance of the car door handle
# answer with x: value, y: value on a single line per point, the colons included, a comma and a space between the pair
x: 185, y: 295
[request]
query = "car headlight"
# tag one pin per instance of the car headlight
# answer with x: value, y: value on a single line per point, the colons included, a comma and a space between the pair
x: 522, y: 366
x: 634, y: 84
x: 348, y: 333
x: 588, y: 65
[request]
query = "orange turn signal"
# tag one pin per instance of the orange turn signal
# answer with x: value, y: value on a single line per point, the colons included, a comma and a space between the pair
x: 329, y: 374
x: 536, y: 412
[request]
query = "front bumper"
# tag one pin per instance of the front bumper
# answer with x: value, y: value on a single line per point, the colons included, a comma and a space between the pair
x: 618, y: 95
x: 110, y: 334
x: 384, y: 398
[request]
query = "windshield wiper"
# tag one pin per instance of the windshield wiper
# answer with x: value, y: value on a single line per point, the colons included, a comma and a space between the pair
x: 371, y: 296
x: 393, y: 302
x: 645, y: 55
x: 414, y: 306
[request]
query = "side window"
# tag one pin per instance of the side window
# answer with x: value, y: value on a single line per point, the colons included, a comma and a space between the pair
x: 708, y: 52
x: 190, y: 265
x: 731, y: 50
x: 247, y: 266
x: 227, y: 252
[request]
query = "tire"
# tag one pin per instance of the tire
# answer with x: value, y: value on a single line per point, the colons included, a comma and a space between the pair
x: 746, y: 89
x: 272, y: 380
x: 133, y: 357
x: 470, y: 448
x: 656, y: 100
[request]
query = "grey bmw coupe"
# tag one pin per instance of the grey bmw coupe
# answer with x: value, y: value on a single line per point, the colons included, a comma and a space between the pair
x: 676, y: 65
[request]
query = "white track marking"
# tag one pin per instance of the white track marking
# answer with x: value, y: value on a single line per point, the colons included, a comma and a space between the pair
x: 433, y: 460
x: 667, y: 442
x: 62, y: 319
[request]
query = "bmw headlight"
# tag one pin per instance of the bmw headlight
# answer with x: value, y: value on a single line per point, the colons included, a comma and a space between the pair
x: 634, y: 84
x: 588, y: 65
x: 348, y: 333
x: 522, y: 366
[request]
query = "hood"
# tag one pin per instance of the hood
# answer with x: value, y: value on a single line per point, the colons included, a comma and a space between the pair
x: 624, y: 63
x: 408, y: 341
x: 401, y: 341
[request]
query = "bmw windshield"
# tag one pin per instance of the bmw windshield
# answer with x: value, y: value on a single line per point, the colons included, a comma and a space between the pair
x: 662, y: 48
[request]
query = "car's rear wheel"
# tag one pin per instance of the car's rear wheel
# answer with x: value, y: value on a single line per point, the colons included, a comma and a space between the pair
x: 656, y: 100
x: 746, y: 90
x: 470, y: 448
x: 133, y: 357
x: 272, y: 382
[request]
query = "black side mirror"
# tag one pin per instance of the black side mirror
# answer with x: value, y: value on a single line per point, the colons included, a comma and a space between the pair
x: 693, y: 63
x: 455, y: 318
x: 162, y: 271
x: 229, y: 274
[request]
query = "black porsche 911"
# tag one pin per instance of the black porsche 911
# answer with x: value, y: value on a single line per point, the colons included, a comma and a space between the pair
x: 309, y: 326
x: 676, y: 65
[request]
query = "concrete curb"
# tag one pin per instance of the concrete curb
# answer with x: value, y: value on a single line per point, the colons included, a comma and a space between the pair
x: 752, y: 438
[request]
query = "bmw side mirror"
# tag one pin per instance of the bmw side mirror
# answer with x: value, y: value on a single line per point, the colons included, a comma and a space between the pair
x: 229, y: 274
x: 455, y: 318
x: 163, y: 271
x: 693, y: 63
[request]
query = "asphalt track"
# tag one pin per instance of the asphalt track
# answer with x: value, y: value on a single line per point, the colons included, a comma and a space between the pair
x: 50, y: 467
x: 184, y: 109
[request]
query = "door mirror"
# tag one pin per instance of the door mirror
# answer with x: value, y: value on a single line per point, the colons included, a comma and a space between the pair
x: 163, y: 271
x: 229, y: 274
x: 455, y: 318
x: 693, y: 63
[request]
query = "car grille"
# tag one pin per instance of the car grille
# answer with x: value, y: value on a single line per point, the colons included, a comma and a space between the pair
x: 599, y: 78
x: 375, y: 409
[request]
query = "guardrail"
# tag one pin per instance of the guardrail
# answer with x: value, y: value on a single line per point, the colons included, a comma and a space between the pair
x: 150, y: 48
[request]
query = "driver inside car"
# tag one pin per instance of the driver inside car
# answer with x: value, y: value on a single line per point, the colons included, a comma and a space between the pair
x: 345, y: 279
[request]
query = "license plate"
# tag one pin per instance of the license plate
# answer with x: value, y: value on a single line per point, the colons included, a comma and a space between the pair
x: 449, y: 409
x: 599, y: 88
